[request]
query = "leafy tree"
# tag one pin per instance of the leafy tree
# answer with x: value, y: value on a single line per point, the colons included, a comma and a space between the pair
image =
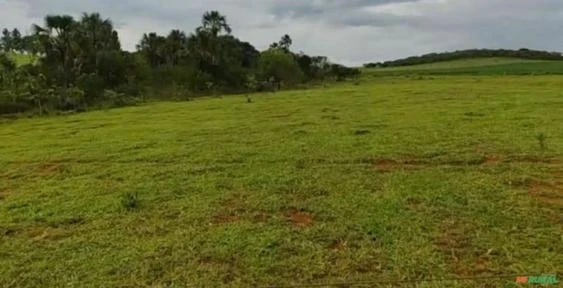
x: 31, y: 44
x: 285, y: 42
x: 81, y: 63
x: 6, y: 40
x: 16, y: 40
x: 280, y: 67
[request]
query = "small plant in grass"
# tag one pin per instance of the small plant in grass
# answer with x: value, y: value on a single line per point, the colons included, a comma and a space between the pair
x: 130, y: 201
x: 251, y: 86
x: 542, y: 141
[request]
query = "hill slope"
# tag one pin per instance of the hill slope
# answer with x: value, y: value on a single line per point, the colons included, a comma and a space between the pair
x: 394, y: 180
x: 470, y: 54
x: 477, y: 66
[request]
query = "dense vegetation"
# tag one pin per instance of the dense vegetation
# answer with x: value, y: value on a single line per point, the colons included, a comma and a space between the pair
x: 81, y: 64
x: 466, y: 54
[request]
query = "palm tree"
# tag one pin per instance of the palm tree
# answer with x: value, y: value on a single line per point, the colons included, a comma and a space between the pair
x: 175, y: 46
x: 215, y: 23
x: 152, y: 46
x: 58, y: 45
x: 98, y: 32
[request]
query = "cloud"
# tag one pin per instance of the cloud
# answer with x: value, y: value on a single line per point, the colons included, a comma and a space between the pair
x: 351, y: 31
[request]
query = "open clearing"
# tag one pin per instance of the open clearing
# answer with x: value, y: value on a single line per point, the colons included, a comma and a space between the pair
x: 391, y: 179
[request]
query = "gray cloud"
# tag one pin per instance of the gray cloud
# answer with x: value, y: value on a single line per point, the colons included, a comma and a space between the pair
x: 351, y: 31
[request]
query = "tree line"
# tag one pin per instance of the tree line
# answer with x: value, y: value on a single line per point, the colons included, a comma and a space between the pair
x: 81, y: 65
x: 466, y: 54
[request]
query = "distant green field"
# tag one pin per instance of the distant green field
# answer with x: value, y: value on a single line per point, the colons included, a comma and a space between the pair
x: 479, y: 66
x: 389, y: 179
x: 465, y: 63
x: 22, y: 59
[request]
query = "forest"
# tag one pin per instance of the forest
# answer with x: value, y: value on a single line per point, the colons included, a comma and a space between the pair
x: 79, y: 64
x: 522, y: 53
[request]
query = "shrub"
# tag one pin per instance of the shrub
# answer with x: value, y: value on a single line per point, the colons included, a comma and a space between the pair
x: 14, y: 108
x: 130, y: 201
x: 115, y: 99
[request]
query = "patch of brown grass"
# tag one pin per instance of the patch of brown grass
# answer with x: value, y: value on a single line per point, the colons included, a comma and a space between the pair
x: 4, y: 192
x: 224, y: 219
x: 455, y: 243
x: 300, y: 218
x: 547, y: 193
x: 492, y: 160
x: 49, y: 169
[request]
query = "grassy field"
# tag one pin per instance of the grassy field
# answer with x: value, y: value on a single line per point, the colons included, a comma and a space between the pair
x: 465, y: 63
x: 389, y: 179
x: 477, y: 66
x: 22, y: 59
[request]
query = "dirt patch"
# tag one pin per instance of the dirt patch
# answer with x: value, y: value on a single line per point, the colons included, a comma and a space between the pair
x: 390, y: 165
x: 300, y: 218
x: 547, y: 193
x: 385, y: 165
x: 260, y: 217
x: 492, y: 160
x: 224, y: 219
x: 49, y: 169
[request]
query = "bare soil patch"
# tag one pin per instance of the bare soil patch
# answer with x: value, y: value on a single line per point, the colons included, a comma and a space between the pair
x: 300, y: 218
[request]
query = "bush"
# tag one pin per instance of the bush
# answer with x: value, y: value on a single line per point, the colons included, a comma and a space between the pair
x: 115, y: 99
x: 276, y: 65
x: 130, y: 201
x: 92, y: 85
x: 71, y: 99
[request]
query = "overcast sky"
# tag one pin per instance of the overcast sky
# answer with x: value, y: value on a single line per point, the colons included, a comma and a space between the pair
x: 347, y: 31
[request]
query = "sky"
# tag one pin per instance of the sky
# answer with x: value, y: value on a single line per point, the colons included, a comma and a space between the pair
x: 350, y: 32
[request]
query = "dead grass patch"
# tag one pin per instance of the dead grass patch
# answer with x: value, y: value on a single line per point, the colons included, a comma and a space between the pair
x: 300, y: 218
x: 49, y: 169
x: 455, y: 243
x: 547, y: 193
